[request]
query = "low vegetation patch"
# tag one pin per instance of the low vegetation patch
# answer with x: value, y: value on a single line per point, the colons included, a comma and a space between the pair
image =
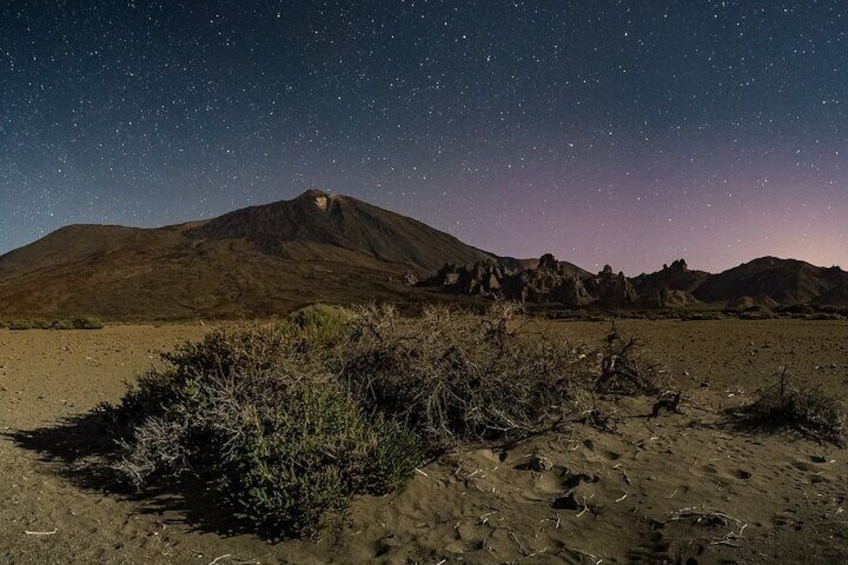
x: 453, y: 377
x: 289, y: 422
x: 17, y: 325
x: 86, y: 324
x: 805, y: 409
x: 253, y: 414
x: 79, y: 323
x: 320, y: 324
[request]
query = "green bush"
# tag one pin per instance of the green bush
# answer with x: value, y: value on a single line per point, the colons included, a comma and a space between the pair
x: 310, y: 457
x: 247, y: 411
x: 86, y: 324
x: 289, y: 422
x: 319, y: 324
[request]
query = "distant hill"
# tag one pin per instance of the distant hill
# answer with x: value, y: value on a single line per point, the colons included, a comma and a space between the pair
x: 785, y: 281
x: 677, y: 276
x: 767, y: 282
x: 270, y: 259
x: 257, y: 261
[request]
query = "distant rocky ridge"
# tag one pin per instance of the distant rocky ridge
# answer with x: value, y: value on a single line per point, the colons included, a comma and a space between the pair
x: 267, y: 260
x: 763, y: 283
x: 551, y: 281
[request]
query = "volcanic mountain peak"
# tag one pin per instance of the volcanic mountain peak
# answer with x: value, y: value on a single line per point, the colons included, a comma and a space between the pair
x: 317, y: 197
x: 318, y: 218
x: 256, y: 261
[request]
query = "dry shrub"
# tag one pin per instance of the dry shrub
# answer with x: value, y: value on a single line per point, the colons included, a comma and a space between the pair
x: 451, y: 376
x: 79, y: 323
x: 289, y: 422
x: 806, y: 409
x: 623, y: 371
x: 251, y: 412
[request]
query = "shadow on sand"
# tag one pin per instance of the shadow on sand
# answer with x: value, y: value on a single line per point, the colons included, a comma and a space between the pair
x: 80, y: 450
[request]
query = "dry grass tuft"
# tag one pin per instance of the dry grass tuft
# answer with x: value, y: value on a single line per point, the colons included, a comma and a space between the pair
x: 805, y: 409
x: 622, y: 370
x: 454, y: 377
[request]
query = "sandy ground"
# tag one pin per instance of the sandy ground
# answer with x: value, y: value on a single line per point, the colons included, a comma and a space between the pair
x: 681, y: 488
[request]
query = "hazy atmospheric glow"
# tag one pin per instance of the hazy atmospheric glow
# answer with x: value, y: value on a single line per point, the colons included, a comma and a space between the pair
x: 629, y: 133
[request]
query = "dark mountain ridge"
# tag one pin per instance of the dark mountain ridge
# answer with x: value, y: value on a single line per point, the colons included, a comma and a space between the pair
x: 257, y: 261
x: 766, y: 282
x: 269, y: 259
x: 316, y: 217
x: 786, y: 281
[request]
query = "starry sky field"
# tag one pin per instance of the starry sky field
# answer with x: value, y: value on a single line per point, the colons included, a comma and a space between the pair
x: 631, y: 133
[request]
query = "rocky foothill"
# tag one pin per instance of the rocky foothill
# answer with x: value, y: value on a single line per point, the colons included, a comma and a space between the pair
x: 767, y: 283
x: 551, y: 281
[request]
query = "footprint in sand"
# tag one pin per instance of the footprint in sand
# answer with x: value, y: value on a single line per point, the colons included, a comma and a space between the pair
x: 742, y: 474
x: 610, y: 455
x: 560, y: 480
x: 708, y: 469
x: 804, y: 466
x: 603, y: 454
x: 551, y: 483
x: 812, y: 470
x: 712, y: 470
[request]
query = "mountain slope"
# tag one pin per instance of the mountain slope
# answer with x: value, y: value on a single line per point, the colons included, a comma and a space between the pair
x: 258, y: 261
x: 340, y: 221
x: 786, y: 281
x: 676, y: 276
x: 270, y: 259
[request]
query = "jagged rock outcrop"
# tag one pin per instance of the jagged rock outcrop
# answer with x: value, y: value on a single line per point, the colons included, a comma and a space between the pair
x: 671, y: 298
x: 548, y: 261
x: 671, y: 287
x: 612, y: 289
x: 572, y: 293
x: 767, y: 283
x: 485, y: 278
x: 551, y: 281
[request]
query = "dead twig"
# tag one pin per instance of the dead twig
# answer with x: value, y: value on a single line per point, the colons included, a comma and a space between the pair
x: 31, y: 533
x: 521, y: 547
x: 713, y: 518
x: 705, y: 517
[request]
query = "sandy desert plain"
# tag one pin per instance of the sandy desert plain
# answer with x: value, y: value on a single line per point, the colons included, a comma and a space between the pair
x: 681, y: 488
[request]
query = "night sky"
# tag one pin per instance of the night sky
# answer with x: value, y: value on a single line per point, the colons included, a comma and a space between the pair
x: 629, y: 133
